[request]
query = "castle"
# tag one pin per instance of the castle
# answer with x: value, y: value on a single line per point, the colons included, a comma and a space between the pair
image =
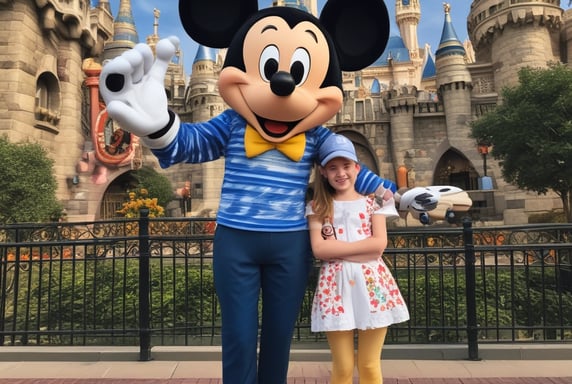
x: 408, y: 114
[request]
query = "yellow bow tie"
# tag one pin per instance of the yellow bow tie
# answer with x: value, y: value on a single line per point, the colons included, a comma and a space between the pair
x: 254, y: 145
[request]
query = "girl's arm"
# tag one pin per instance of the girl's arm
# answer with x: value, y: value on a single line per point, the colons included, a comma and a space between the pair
x: 359, y: 251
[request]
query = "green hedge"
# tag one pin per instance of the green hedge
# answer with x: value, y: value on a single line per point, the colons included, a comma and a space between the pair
x: 66, y: 296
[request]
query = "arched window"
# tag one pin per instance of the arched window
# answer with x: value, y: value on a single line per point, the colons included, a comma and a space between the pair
x: 47, y: 108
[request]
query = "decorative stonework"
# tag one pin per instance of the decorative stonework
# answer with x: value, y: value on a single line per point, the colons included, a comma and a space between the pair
x: 70, y: 19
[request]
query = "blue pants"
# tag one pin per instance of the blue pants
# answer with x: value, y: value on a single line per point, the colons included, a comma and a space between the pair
x: 246, y: 265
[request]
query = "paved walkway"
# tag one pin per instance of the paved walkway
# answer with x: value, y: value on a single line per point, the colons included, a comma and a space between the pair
x: 520, y: 364
x: 301, y: 372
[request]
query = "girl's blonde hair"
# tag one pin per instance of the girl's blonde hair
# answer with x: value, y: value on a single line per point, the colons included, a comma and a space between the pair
x: 323, y: 199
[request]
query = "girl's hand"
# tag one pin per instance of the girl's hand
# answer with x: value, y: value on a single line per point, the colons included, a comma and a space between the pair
x: 328, y: 230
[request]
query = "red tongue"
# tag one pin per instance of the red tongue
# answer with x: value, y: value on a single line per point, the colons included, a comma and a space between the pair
x: 275, y: 127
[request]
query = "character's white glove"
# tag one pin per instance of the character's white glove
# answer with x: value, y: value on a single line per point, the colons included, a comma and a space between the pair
x: 384, y: 197
x: 418, y: 199
x: 133, y: 87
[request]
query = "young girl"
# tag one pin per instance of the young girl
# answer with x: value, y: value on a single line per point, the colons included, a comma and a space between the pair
x: 355, y: 290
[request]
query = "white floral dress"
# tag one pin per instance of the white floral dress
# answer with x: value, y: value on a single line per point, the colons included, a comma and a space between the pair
x: 355, y: 295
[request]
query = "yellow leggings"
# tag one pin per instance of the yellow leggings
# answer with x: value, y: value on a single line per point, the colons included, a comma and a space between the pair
x: 370, y: 344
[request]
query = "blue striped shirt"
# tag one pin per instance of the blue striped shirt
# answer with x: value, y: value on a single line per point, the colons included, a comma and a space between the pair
x: 263, y: 193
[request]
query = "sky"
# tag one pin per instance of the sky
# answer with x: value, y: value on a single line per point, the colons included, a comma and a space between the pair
x: 428, y: 31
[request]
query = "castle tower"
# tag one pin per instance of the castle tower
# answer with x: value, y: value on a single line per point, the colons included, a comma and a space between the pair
x: 454, y: 84
x: 41, y: 94
x: 407, y: 16
x: 402, y: 104
x: 515, y: 34
x: 153, y: 39
x: 125, y: 34
x: 204, y: 102
x: 103, y: 12
x: 175, y: 78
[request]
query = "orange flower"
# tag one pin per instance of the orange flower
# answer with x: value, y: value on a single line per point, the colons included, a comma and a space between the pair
x: 139, y: 199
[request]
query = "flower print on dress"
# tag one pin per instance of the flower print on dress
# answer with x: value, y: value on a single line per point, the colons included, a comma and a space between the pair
x: 365, y: 218
x: 377, y: 295
x: 327, y: 299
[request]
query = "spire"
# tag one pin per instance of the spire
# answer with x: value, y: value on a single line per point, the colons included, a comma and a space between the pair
x: 205, y: 54
x: 429, y: 68
x: 124, y: 32
x: 124, y: 25
x: 156, y: 15
x: 407, y: 16
x: 449, y: 44
x: 153, y: 39
x: 450, y: 62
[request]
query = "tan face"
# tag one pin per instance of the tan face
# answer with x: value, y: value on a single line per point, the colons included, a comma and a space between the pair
x: 341, y: 174
x: 302, y: 52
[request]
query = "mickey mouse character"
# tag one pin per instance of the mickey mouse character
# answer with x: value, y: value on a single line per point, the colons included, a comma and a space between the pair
x: 282, y: 80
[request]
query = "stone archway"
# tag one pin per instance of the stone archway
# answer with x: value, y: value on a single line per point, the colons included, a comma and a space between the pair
x: 363, y: 150
x: 116, y: 194
x: 453, y: 168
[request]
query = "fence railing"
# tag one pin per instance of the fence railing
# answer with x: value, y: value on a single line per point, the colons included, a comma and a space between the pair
x: 149, y: 282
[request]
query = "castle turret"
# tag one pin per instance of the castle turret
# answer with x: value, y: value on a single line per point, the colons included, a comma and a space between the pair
x: 402, y: 104
x: 175, y: 78
x: 407, y: 16
x: 153, y: 39
x: 515, y: 34
x: 204, y: 102
x: 454, y: 84
x: 102, y: 21
x: 125, y: 34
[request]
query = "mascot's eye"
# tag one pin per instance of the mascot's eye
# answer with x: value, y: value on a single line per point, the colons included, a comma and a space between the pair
x: 269, y: 60
x: 300, y: 66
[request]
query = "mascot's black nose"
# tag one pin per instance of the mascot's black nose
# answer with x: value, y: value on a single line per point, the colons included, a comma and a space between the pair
x: 282, y: 83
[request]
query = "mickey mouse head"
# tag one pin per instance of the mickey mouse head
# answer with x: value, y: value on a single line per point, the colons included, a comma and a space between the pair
x: 282, y: 70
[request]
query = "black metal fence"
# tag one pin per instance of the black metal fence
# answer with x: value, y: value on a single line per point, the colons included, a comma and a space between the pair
x: 149, y: 282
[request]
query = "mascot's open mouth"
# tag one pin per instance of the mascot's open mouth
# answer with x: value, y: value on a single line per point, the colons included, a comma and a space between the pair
x: 276, y: 128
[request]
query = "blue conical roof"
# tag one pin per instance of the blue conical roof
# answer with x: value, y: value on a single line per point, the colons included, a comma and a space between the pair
x: 429, y: 70
x: 449, y: 44
x: 395, y: 50
x: 124, y: 25
x: 205, y: 53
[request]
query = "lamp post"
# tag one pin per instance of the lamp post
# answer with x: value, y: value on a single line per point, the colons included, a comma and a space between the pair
x: 185, y: 194
x: 484, y: 151
x: 485, y: 182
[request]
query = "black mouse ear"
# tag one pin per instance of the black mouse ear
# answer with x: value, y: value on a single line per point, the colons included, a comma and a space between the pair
x: 213, y: 23
x: 359, y: 29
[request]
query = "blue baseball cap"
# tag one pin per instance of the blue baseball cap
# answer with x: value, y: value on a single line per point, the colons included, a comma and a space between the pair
x: 337, y: 146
